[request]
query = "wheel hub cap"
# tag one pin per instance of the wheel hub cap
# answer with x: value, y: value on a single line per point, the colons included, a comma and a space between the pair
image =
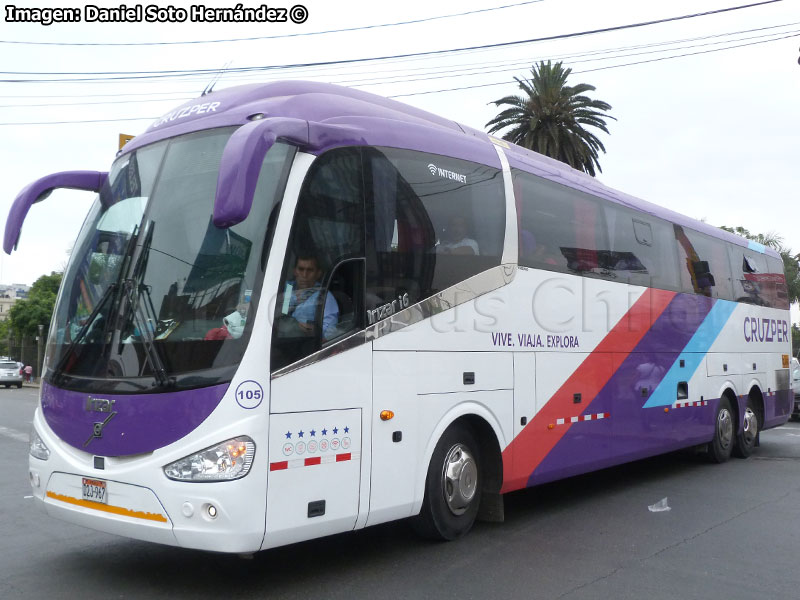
x: 725, y: 428
x: 750, y: 428
x: 460, y: 479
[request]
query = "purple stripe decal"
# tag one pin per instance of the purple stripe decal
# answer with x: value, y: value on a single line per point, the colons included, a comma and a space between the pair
x: 633, y: 432
x: 136, y: 423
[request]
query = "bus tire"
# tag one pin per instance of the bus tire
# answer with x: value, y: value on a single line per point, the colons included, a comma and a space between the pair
x: 720, y: 447
x: 748, y: 436
x: 452, y: 487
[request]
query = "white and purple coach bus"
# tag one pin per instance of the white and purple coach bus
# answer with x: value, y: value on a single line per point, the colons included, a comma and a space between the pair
x: 297, y: 309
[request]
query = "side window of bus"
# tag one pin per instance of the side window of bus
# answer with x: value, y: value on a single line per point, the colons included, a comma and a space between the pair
x: 320, y: 297
x: 779, y: 296
x: 703, y: 264
x: 757, y: 278
x: 641, y: 249
x: 561, y: 229
x: 432, y: 222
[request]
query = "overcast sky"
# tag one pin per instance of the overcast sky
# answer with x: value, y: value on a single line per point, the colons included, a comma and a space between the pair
x: 713, y: 134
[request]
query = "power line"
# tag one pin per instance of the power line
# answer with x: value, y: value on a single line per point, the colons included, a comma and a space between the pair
x: 466, y: 70
x: 475, y: 70
x: 275, y: 37
x: 84, y: 121
x: 506, y: 82
x: 36, y: 96
x: 425, y: 70
x: 103, y: 102
x: 469, y: 87
x: 135, y: 75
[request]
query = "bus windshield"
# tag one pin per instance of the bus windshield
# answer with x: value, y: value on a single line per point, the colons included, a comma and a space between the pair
x: 155, y: 294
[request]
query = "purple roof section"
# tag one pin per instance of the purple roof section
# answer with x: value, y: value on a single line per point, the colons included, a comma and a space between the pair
x: 337, y: 116
x: 340, y: 116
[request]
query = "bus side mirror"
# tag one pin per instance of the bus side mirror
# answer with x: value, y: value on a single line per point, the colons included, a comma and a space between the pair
x: 241, y: 164
x: 91, y: 181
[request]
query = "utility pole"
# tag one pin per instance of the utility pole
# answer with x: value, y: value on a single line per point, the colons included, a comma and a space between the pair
x: 39, y: 347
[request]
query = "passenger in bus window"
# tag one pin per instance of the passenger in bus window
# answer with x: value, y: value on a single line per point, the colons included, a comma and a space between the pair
x: 456, y: 240
x: 537, y: 251
x: 302, y: 294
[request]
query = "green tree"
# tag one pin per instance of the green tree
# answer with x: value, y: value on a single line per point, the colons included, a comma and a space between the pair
x: 550, y: 117
x: 4, y: 326
x: 791, y: 262
x: 26, y: 315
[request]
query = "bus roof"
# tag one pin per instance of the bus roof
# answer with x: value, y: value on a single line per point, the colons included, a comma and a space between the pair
x: 355, y: 117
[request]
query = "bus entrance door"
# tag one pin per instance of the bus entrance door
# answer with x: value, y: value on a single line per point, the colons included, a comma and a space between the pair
x: 317, y: 480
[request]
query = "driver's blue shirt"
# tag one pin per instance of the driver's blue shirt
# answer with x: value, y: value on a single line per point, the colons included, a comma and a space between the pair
x: 303, y: 306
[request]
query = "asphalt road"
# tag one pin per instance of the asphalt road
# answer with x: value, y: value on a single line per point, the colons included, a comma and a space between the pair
x: 733, y: 532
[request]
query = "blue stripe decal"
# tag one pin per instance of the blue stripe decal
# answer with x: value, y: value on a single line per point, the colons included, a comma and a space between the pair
x: 692, y: 355
x: 756, y: 246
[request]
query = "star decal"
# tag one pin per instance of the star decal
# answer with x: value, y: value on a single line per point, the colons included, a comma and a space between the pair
x: 347, y: 430
x: 324, y: 432
x: 313, y: 433
x: 288, y: 435
x: 335, y: 430
x: 300, y: 433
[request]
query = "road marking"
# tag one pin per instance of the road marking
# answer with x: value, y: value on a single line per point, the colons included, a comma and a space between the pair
x: 13, y: 434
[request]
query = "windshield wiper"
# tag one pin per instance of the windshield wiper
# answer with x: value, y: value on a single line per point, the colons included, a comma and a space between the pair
x: 108, y: 294
x: 146, y: 320
x: 134, y: 289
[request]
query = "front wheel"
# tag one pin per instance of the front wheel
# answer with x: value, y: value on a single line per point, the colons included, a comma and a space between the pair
x: 452, y: 487
x: 746, y: 439
x: 719, y: 450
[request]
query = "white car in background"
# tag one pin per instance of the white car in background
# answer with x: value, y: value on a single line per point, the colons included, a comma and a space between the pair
x: 9, y: 374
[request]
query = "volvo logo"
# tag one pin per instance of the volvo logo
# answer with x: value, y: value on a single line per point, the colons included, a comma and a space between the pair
x: 97, y: 429
x: 101, y: 405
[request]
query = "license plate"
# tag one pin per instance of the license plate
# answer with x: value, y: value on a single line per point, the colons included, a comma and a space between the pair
x: 94, y: 490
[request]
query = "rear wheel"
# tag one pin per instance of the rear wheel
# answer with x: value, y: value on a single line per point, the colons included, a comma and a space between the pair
x: 452, y: 487
x: 747, y: 437
x: 719, y: 450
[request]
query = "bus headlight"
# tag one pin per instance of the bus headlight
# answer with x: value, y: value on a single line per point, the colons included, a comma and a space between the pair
x: 37, y: 447
x: 225, y: 461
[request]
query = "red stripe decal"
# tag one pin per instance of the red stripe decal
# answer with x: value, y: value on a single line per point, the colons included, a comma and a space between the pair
x: 342, y: 457
x: 313, y: 461
x: 536, y: 440
x: 279, y: 466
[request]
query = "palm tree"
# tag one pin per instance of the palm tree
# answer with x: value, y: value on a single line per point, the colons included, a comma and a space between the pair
x: 770, y: 239
x: 550, y: 116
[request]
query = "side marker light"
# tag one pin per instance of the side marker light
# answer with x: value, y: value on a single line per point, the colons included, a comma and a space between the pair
x: 387, y: 415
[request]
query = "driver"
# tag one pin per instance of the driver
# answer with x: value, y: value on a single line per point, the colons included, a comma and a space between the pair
x: 302, y: 295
